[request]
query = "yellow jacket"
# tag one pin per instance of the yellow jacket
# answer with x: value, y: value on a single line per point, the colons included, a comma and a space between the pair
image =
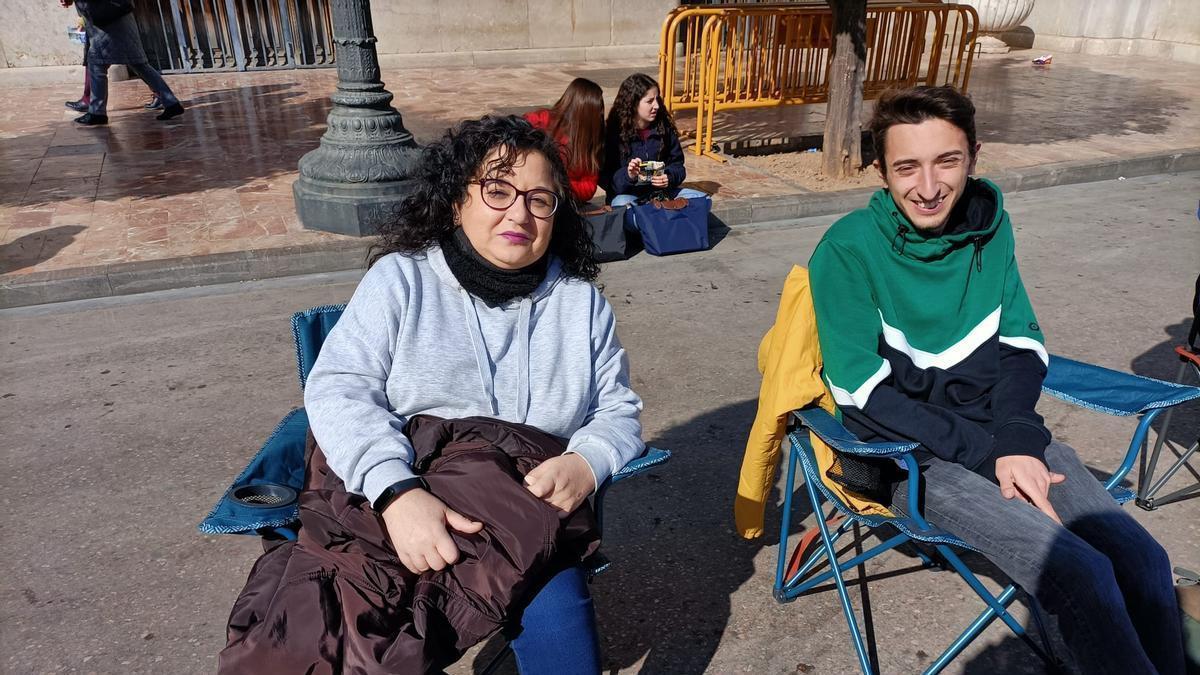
x: 789, y: 358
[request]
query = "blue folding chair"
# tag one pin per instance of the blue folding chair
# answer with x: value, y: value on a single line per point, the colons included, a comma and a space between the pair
x: 1082, y: 384
x: 263, y: 498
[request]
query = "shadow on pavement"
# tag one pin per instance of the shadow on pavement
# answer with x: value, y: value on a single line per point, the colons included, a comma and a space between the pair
x: 35, y: 247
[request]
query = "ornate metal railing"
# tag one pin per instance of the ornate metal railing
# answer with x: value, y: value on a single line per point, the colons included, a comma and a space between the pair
x: 207, y: 35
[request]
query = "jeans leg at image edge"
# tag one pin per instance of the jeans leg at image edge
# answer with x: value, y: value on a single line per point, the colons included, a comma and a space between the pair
x: 1069, y: 577
x: 1141, y: 566
x: 558, y: 635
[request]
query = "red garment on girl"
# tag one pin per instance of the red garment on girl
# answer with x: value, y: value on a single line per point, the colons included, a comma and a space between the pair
x: 583, y: 184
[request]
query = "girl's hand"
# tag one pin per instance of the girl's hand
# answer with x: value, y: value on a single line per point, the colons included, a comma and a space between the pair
x: 416, y: 522
x: 562, y: 482
x: 660, y: 181
x: 634, y: 168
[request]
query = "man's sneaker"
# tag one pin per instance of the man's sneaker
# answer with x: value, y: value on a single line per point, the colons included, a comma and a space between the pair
x: 171, y: 112
x: 77, y: 106
x: 88, y: 119
x: 154, y: 104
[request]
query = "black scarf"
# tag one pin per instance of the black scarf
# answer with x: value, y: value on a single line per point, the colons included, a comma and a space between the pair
x: 493, y: 285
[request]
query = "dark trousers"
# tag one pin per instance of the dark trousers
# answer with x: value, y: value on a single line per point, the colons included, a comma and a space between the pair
x: 1104, y: 578
x: 98, y: 76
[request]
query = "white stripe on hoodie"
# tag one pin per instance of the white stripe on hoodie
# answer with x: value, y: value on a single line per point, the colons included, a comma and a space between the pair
x: 413, y: 341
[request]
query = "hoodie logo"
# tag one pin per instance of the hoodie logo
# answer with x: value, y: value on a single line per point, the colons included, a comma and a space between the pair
x: 1033, y: 326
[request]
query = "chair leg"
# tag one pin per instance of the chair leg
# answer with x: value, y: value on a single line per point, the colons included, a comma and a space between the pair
x: 863, y: 660
x: 997, y: 609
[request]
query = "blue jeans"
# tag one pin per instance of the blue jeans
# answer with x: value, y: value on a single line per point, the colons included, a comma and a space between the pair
x: 1101, y: 574
x: 686, y: 193
x: 558, y: 630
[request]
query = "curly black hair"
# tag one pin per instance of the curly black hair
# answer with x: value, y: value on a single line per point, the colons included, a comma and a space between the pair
x: 452, y: 163
x: 622, y: 119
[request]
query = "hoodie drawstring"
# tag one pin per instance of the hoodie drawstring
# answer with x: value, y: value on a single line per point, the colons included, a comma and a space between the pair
x: 900, y: 232
x: 977, y: 257
x: 483, y: 361
x: 523, y: 331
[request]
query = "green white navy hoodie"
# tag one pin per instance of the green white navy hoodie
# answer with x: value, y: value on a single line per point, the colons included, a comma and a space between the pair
x: 413, y: 341
x: 932, y: 339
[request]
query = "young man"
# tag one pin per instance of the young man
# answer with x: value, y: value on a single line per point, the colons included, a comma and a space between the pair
x: 928, y: 336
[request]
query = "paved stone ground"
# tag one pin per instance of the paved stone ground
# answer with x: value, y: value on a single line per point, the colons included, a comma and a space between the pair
x: 125, y: 418
x: 219, y: 178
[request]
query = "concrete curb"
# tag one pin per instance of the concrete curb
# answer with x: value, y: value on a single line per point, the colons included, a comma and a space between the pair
x: 778, y: 211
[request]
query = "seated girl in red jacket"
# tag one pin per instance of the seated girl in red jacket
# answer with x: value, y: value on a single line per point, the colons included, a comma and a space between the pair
x: 640, y: 130
x: 577, y: 122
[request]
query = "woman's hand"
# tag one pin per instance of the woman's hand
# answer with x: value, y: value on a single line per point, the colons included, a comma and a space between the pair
x: 1028, y: 478
x: 660, y: 181
x: 634, y: 168
x: 416, y: 523
x: 562, y: 482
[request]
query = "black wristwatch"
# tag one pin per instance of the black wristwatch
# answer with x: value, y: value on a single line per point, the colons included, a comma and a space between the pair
x: 396, y: 489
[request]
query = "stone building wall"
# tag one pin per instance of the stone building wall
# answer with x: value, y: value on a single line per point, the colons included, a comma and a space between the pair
x: 1167, y: 29
x: 413, y: 32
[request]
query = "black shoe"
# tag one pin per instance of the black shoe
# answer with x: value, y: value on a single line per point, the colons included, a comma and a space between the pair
x: 88, y: 119
x: 154, y: 104
x: 77, y: 106
x: 170, y: 112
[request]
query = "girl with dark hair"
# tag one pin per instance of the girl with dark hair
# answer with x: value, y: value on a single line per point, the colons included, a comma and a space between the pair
x: 640, y: 130
x: 577, y: 122
x: 478, y: 302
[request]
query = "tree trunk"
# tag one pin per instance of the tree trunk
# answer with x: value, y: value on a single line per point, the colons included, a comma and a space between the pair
x: 843, y: 117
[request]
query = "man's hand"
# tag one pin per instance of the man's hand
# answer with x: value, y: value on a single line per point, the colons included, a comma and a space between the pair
x: 562, y: 482
x: 660, y: 181
x: 416, y: 523
x: 1028, y: 478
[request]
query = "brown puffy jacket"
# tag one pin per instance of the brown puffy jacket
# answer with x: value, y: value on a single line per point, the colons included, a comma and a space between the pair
x: 339, y: 601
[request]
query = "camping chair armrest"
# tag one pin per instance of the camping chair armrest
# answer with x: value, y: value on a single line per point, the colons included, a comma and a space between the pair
x: 829, y: 429
x: 1111, y: 391
x: 1115, y: 393
x: 650, y: 459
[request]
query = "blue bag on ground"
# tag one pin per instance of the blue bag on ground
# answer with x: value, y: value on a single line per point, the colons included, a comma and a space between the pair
x: 672, y: 225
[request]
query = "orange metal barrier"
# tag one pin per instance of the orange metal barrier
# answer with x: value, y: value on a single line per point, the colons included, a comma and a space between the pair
x: 726, y: 57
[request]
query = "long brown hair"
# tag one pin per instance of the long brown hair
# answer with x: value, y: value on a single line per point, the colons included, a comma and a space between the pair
x: 622, y: 119
x: 578, y: 116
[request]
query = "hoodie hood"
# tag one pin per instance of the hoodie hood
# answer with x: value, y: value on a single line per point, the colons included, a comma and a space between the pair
x: 973, y: 220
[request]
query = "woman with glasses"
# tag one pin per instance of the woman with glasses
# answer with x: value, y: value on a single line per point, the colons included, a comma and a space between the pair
x: 577, y: 122
x: 479, y: 302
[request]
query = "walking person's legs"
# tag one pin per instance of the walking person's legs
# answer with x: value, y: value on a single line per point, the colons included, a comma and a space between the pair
x: 1069, y: 578
x: 97, y: 111
x: 154, y: 79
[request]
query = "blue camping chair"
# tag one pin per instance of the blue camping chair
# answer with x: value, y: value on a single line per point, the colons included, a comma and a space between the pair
x: 1082, y: 384
x: 263, y: 499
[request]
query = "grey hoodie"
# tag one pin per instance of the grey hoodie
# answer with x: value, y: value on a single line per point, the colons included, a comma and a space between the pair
x: 413, y: 341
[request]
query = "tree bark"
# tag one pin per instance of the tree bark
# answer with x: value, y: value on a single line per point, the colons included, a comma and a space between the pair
x: 843, y: 118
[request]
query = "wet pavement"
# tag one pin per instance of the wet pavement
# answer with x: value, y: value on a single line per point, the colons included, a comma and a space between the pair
x: 219, y: 178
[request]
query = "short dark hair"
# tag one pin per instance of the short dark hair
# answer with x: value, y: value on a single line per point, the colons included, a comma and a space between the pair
x: 450, y: 164
x: 917, y: 104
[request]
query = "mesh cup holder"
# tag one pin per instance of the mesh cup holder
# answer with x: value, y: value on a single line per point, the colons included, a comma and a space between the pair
x: 264, y: 495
